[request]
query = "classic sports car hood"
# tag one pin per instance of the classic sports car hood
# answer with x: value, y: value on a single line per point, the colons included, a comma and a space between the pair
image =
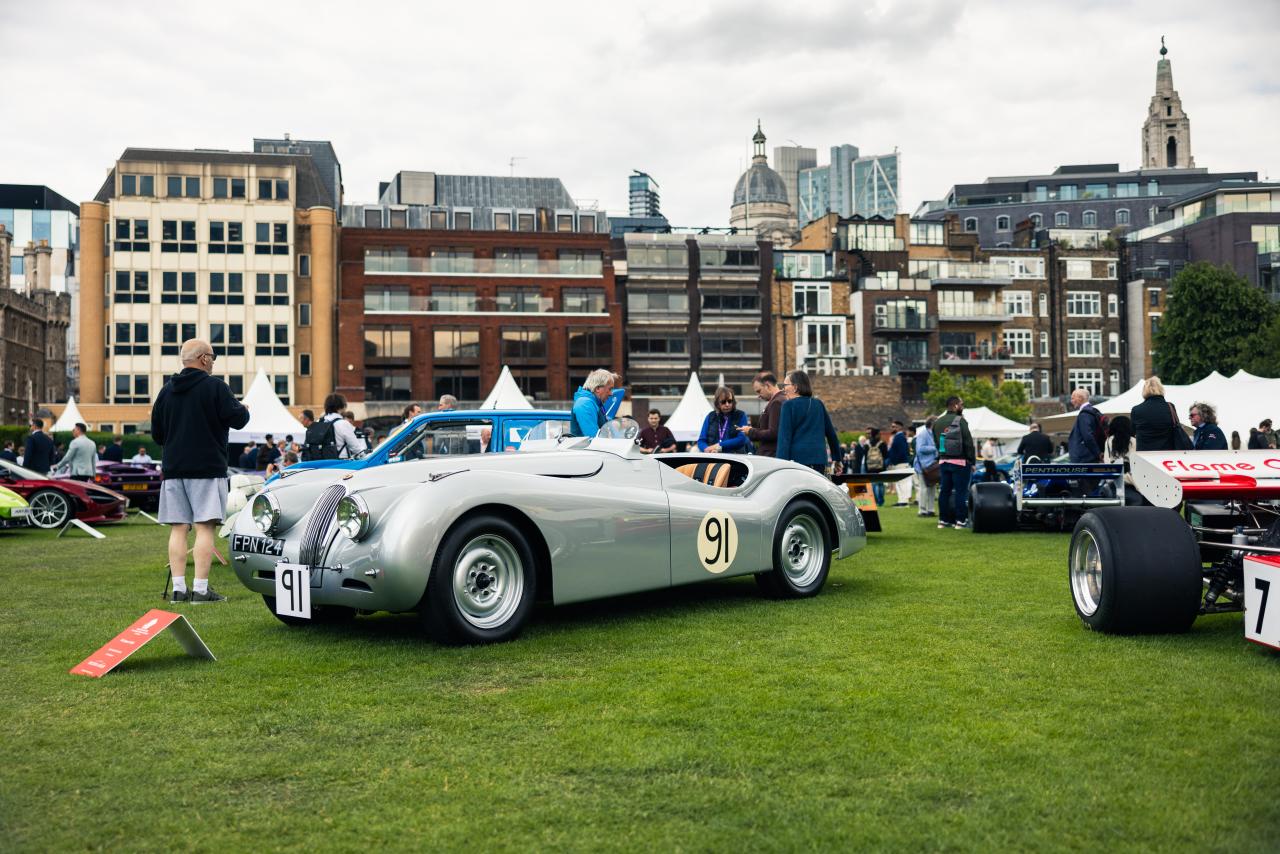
x: 550, y: 464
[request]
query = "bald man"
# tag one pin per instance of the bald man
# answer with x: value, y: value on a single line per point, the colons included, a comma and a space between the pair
x: 190, y: 418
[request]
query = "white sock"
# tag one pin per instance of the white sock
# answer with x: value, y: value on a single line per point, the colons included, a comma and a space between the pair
x: 202, y: 585
x: 179, y: 584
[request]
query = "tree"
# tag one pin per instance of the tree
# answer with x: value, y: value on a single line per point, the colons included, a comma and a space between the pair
x: 1261, y: 351
x: 1009, y: 399
x: 1213, y: 320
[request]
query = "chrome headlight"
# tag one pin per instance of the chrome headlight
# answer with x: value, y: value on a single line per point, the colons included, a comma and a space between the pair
x: 266, y: 512
x: 352, y: 516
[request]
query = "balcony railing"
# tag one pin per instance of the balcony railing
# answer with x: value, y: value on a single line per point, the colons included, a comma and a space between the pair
x: 449, y: 304
x: 981, y: 312
x: 972, y: 271
x: 563, y: 268
x: 976, y: 354
x: 899, y: 322
x: 895, y: 364
x: 1202, y: 213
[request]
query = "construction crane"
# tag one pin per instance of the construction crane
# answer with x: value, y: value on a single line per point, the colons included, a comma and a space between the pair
x: 512, y: 163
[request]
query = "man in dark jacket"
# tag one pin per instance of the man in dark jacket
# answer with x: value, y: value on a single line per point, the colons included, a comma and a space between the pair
x: 957, y: 455
x: 1085, y: 442
x: 1209, y: 436
x: 764, y: 436
x: 1258, y: 437
x: 39, y: 451
x: 1036, y: 444
x: 899, y: 457
x: 190, y: 418
x: 114, y: 452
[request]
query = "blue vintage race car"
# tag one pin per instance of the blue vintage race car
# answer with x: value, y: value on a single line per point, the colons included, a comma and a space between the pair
x: 1045, y: 495
x: 454, y: 432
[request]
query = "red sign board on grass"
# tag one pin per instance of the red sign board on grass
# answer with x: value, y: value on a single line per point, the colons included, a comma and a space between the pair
x: 134, y: 638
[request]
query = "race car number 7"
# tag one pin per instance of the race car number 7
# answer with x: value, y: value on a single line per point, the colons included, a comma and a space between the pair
x: 1261, y: 624
x: 717, y: 541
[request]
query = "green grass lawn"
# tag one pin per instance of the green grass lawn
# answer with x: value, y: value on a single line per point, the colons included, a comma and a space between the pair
x: 940, y: 693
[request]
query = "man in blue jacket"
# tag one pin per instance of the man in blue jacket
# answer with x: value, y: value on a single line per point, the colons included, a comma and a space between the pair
x: 1209, y: 436
x: 1085, y: 442
x: 588, y: 404
x: 900, y: 458
x: 39, y: 452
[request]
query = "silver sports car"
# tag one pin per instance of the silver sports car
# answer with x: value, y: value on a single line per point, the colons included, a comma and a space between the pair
x: 470, y: 542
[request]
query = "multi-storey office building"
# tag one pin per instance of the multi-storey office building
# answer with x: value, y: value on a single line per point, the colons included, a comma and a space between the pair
x: 234, y: 247
x: 642, y: 195
x: 427, y: 310
x: 1226, y: 225
x: 694, y: 303
x: 1092, y: 196
x: 849, y: 186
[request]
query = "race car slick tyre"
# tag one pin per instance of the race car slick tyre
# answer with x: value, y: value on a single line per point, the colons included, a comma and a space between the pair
x: 801, y: 554
x: 49, y: 508
x: 320, y: 614
x: 482, y: 585
x: 993, y: 508
x: 1135, y: 570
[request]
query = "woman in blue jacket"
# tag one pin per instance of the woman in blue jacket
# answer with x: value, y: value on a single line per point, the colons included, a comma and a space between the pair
x: 805, y: 426
x: 926, y: 456
x: 721, y: 428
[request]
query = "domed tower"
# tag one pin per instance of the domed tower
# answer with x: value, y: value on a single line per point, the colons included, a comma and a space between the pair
x: 760, y: 197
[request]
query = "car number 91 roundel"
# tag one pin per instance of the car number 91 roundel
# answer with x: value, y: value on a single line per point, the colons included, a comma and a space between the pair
x: 717, y: 541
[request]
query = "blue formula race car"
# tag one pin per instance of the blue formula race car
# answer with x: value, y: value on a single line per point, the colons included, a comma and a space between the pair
x: 1045, y: 496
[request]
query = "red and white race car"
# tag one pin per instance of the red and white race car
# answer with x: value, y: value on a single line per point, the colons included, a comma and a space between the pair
x: 1150, y: 569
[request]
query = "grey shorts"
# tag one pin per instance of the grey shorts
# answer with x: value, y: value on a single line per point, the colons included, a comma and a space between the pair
x: 195, y: 499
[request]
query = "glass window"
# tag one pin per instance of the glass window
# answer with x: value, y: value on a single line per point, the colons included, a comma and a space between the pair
x: 1084, y: 304
x: 304, y: 364
x: 1002, y: 223
x: 928, y: 233
x: 1090, y: 219
x: 1044, y: 345
x: 564, y: 222
x: 237, y: 188
x: 1018, y: 341
x: 128, y: 185
x: 524, y: 344
x: 971, y: 224
x: 1017, y: 303
x: 524, y: 222
x: 438, y: 219
x: 502, y: 222
x: 220, y: 188
x: 1084, y: 342
x: 588, y: 344
x: 264, y: 188
x: 304, y: 314
x: 1068, y: 192
x: 1122, y: 216
x: 459, y: 343
x: 1096, y: 191
x: 519, y: 300
x: 282, y: 189
x: 462, y: 220
x: 387, y: 342
x: 1062, y: 219
x: 173, y: 185
x: 372, y: 218
x: 583, y: 300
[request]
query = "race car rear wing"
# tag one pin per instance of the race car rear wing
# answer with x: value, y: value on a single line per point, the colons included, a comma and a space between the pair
x: 1167, y: 478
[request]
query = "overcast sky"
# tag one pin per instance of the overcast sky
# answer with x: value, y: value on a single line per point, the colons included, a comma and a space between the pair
x: 589, y: 91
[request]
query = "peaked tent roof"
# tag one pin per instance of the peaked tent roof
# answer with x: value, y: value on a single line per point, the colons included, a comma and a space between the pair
x: 266, y: 415
x: 505, y: 394
x: 686, y: 422
x: 987, y: 424
x: 69, y: 418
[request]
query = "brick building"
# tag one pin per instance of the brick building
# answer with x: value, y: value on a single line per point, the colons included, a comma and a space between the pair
x: 429, y: 311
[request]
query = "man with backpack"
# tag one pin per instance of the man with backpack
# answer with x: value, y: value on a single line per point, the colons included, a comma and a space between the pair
x: 1087, y: 437
x: 956, y: 455
x: 332, y: 437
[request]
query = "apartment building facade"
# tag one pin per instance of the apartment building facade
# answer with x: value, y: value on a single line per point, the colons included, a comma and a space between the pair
x: 431, y: 310
x: 694, y: 303
x: 234, y: 247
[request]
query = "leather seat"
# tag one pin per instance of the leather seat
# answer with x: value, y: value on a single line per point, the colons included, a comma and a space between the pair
x: 712, y: 474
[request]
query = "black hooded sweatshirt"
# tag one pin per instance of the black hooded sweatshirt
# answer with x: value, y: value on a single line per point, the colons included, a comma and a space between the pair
x: 190, y: 418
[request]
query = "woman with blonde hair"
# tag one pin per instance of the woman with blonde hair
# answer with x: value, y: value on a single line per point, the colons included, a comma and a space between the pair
x: 1155, y: 422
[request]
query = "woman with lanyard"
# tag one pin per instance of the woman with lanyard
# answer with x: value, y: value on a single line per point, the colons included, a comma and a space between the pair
x: 720, y: 430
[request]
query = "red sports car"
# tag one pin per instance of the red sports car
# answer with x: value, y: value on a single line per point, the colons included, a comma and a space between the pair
x: 55, y: 501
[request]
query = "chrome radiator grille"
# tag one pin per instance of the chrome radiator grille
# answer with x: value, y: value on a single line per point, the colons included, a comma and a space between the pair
x: 318, y: 525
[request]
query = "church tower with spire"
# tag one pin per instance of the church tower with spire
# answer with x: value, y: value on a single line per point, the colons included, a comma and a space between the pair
x: 1166, y: 134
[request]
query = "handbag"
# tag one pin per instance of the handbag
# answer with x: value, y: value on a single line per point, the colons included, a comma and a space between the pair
x: 1181, y: 441
x: 931, y: 474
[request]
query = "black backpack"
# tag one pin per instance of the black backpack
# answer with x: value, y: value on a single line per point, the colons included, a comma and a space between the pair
x: 951, y: 443
x: 320, y: 443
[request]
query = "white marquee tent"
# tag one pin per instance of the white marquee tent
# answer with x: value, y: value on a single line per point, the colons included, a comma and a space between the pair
x: 505, y: 394
x: 986, y: 424
x: 686, y: 422
x: 69, y: 418
x: 266, y: 415
x: 1241, y: 401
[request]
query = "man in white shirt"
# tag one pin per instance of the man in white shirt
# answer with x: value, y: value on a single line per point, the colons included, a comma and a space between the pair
x: 344, y: 435
x: 141, y: 457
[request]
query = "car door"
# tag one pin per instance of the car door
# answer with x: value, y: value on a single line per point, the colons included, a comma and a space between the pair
x: 608, y: 533
x: 715, y: 531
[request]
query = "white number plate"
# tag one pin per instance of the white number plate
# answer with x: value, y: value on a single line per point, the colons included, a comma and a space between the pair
x: 1262, y: 600
x: 293, y: 590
